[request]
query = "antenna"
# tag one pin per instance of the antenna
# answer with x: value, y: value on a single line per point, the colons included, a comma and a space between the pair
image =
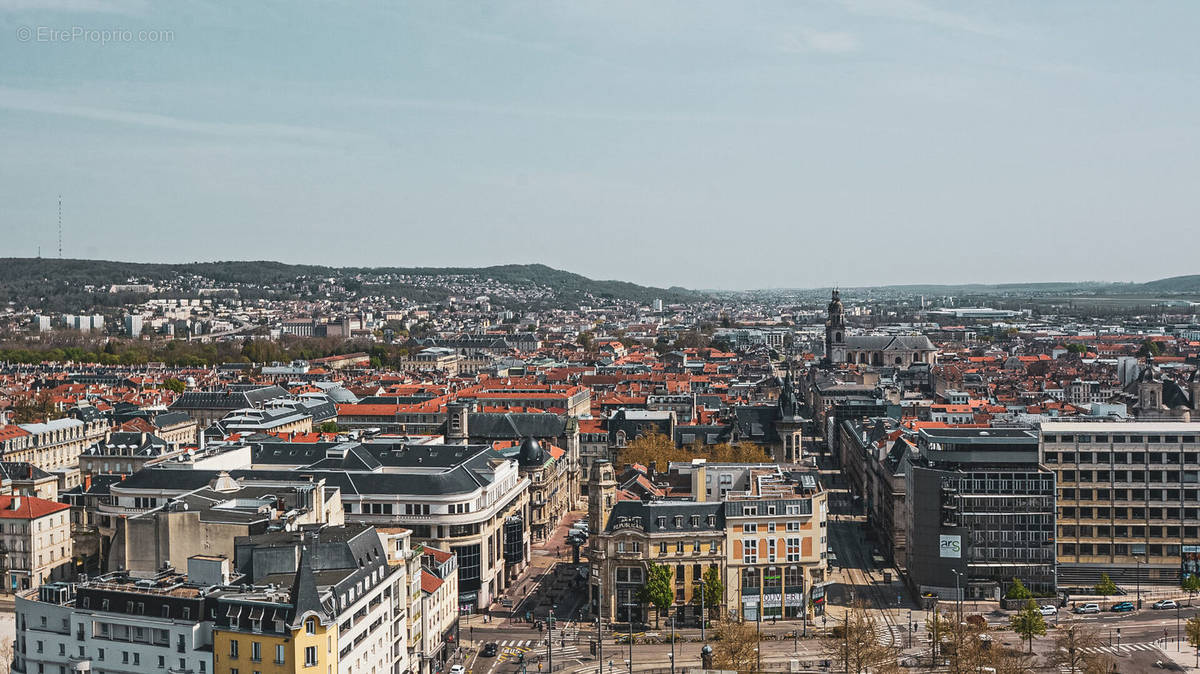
x: 60, y: 226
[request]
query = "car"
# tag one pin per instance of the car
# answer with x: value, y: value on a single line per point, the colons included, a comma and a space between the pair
x: 1122, y: 607
x: 1087, y: 608
x: 458, y: 669
x: 1165, y: 604
x: 1048, y: 610
x: 489, y: 650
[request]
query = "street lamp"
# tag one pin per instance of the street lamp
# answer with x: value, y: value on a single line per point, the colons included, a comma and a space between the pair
x: 672, y: 644
x: 958, y: 592
x: 629, y: 614
x: 1138, y: 579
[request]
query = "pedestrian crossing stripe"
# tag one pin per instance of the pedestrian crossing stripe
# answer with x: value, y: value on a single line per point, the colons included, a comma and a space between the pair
x: 1121, y: 648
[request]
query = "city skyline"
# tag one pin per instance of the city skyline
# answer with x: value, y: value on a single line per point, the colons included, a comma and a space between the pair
x: 773, y: 146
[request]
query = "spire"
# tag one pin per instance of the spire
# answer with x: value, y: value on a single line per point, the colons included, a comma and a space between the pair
x: 305, y: 598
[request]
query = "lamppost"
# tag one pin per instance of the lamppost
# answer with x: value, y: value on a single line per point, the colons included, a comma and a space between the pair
x: 629, y: 614
x: 550, y: 638
x: 672, y: 644
x: 958, y: 592
x: 599, y: 645
x: 1137, y: 574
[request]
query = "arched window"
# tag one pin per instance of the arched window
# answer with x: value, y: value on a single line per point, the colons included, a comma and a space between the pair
x: 899, y: 360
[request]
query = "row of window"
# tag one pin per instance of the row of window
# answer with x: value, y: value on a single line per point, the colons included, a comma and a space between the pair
x: 1137, y: 514
x: 1119, y: 438
x: 1173, y: 495
x: 1145, y: 476
x: 256, y: 652
x: 1152, y: 549
x: 1143, y: 532
x: 1121, y: 458
x: 752, y: 527
x: 751, y: 547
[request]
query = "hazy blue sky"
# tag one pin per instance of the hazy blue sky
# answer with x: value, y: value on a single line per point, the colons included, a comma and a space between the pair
x: 733, y: 144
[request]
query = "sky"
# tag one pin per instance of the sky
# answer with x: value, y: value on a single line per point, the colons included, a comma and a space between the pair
x: 736, y: 144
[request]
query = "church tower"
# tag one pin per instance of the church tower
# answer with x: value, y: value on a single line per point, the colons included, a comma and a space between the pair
x: 835, y: 326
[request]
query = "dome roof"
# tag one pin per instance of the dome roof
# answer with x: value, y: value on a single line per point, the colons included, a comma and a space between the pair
x: 531, y: 453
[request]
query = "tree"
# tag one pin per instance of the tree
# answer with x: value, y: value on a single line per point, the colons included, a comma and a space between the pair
x: 1009, y: 660
x: 713, y: 591
x: 1028, y: 622
x: 172, y: 384
x: 855, y: 644
x: 1077, y: 348
x: 734, y: 647
x: 329, y: 427
x: 1193, y: 635
x: 653, y: 447
x: 1149, y: 349
x: 659, y: 589
x: 1075, y: 649
x: 1191, y: 585
x: 586, y: 339
x: 1018, y: 590
x: 961, y: 642
x: 1106, y: 587
x: 36, y: 408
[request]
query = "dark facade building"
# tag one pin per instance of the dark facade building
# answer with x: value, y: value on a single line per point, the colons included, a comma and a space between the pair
x: 979, y: 510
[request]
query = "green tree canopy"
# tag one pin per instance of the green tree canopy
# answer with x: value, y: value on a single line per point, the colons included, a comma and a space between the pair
x: 1018, y: 590
x: 659, y: 589
x: 1106, y: 587
x: 1028, y: 623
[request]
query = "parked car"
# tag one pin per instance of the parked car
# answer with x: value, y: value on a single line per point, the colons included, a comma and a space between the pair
x: 1049, y: 610
x: 1122, y: 607
x: 1087, y: 608
x: 1165, y: 603
x: 458, y: 669
x: 489, y: 650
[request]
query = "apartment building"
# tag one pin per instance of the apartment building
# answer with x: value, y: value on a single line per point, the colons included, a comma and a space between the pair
x: 766, y: 540
x: 35, y: 542
x: 468, y: 499
x: 54, y: 445
x: 115, y: 623
x: 1128, y: 499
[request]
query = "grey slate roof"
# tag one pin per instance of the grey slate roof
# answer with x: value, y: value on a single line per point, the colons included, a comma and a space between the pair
x: 647, y: 515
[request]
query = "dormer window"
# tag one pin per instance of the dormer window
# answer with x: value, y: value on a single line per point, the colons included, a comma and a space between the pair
x: 662, y: 522
x: 695, y: 520
x: 678, y: 521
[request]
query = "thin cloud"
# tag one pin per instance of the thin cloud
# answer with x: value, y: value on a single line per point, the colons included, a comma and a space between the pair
x: 130, y: 7
x: 18, y: 100
x: 824, y: 42
x: 920, y: 12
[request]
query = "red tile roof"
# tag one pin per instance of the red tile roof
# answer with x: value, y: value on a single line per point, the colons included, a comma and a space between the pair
x: 29, y: 508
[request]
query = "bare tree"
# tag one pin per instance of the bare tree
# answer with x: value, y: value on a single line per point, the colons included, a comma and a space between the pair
x: 1075, y: 649
x: 735, y: 646
x: 855, y: 646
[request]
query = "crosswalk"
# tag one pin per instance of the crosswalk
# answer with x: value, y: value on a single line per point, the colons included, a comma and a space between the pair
x: 889, y: 635
x: 1122, y: 648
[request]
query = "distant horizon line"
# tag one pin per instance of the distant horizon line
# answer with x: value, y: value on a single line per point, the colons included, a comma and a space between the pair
x: 896, y: 285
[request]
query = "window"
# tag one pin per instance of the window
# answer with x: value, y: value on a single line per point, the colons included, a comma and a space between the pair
x: 310, y: 626
x: 793, y: 549
x: 749, y: 528
x: 255, y: 651
x: 233, y: 649
x: 310, y: 656
x: 679, y: 547
x: 279, y: 660
x: 750, y: 551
